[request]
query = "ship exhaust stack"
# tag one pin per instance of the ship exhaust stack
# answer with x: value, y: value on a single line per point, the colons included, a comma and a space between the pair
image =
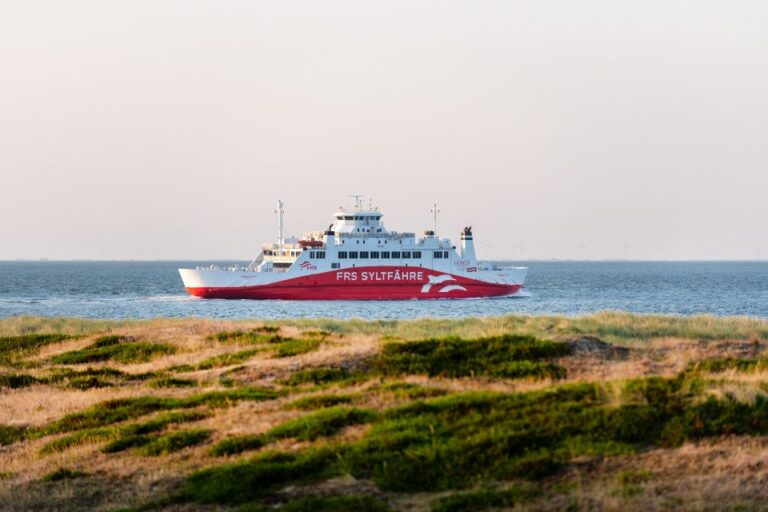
x: 468, y: 246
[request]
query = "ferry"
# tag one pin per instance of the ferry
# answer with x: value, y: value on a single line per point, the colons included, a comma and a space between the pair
x: 357, y: 258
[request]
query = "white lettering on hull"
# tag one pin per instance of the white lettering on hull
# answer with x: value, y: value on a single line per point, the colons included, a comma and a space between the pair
x: 380, y: 276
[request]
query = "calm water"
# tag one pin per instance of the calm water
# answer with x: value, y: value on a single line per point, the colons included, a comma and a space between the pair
x: 153, y: 289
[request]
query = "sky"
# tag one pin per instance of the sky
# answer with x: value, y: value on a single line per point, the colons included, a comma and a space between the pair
x: 168, y: 129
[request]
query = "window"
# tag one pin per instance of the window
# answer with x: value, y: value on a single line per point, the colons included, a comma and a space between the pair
x: 406, y: 255
x: 349, y: 217
x: 438, y: 255
x: 320, y: 255
x: 311, y: 255
x: 363, y: 255
x: 385, y: 255
x: 395, y: 255
x: 353, y: 255
x: 445, y: 254
x: 416, y: 254
x: 335, y: 265
x: 375, y: 255
x: 342, y: 255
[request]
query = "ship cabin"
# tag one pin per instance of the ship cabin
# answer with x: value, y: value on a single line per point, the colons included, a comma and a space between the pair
x: 358, y: 238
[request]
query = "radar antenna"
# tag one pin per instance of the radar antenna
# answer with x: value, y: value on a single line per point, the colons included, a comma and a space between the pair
x: 280, y: 211
x: 434, y: 212
x: 358, y: 201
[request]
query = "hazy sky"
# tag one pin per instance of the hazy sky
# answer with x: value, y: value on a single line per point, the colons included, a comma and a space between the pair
x: 583, y: 129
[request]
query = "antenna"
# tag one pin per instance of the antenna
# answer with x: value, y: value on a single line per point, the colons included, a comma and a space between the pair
x: 280, y: 211
x: 434, y: 212
x: 358, y: 201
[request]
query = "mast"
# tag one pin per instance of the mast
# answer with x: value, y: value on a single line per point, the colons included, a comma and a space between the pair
x: 435, y: 211
x: 280, y: 211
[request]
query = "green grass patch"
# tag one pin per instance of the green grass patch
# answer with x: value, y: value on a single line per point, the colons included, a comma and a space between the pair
x: 322, y: 376
x: 120, y: 349
x: 172, y: 382
x: 248, y: 481
x: 18, y: 380
x: 252, y: 337
x: 174, y: 441
x: 289, y: 347
x: 119, y: 434
x: 720, y: 365
x: 408, y: 391
x: 115, y: 411
x: 507, y: 356
x: 228, y: 359
x: 10, y: 434
x: 313, y: 402
x: 484, y: 499
x: 63, y: 474
x: 351, y: 503
x: 14, y: 347
x: 238, y: 444
x: 324, y: 422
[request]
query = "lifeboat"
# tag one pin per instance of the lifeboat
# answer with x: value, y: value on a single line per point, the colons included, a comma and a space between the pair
x: 311, y: 243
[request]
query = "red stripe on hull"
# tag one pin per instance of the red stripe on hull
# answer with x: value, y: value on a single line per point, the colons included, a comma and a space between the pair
x: 329, y: 286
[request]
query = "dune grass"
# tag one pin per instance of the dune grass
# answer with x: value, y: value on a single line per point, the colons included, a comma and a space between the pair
x: 63, y: 474
x: 508, y: 356
x: 484, y: 499
x: 121, y: 349
x: 350, y: 503
x: 15, y: 347
x: 309, y: 403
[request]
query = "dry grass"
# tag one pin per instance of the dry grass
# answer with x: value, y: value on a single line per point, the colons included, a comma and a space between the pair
x: 717, y: 474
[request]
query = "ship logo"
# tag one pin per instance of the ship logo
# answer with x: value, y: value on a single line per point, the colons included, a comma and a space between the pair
x: 439, y: 280
x: 305, y: 265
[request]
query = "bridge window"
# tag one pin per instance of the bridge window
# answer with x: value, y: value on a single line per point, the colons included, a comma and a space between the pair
x: 353, y: 255
x: 385, y: 255
x: 395, y: 255
x: 439, y: 255
x: 406, y: 255
x: 320, y: 255
x: 342, y: 255
x: 416, y: 254
x: 363, y: 255
x: 445, y: 254
x: 375, y: 255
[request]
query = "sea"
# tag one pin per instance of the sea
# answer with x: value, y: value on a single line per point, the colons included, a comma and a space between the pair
x: 149, y: 289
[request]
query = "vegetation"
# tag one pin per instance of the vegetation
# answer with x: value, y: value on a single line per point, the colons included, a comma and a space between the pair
x: 483, y: 499
x: 309, y: 403
x: 499, y: 356
x: 121, y: 349
x: 13, y: 347
x: 409, y: 427
x: 63, y: 474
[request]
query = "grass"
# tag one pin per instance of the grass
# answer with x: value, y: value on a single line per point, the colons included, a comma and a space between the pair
x: 228, y: 359
x: 318, y: 376
x: 508, y: 356
x: 121, y: 436
x: 324, y: 422
x: 13, y: 347
x: 309, y: 427
x: 289, y: 347
x: 115, y: 411
x: 63, y: 474
x: 18, y: 380
x: 351, y: 503
x: 309, y: 403
x: 121, y: 349
x: 172, y: 382
x: 174, y: 441
x: 484, y: 499
x: 10, y: 434
x: 720, y: 365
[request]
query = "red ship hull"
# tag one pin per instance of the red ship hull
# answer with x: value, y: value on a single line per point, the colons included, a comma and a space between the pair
x: 364, y: 283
